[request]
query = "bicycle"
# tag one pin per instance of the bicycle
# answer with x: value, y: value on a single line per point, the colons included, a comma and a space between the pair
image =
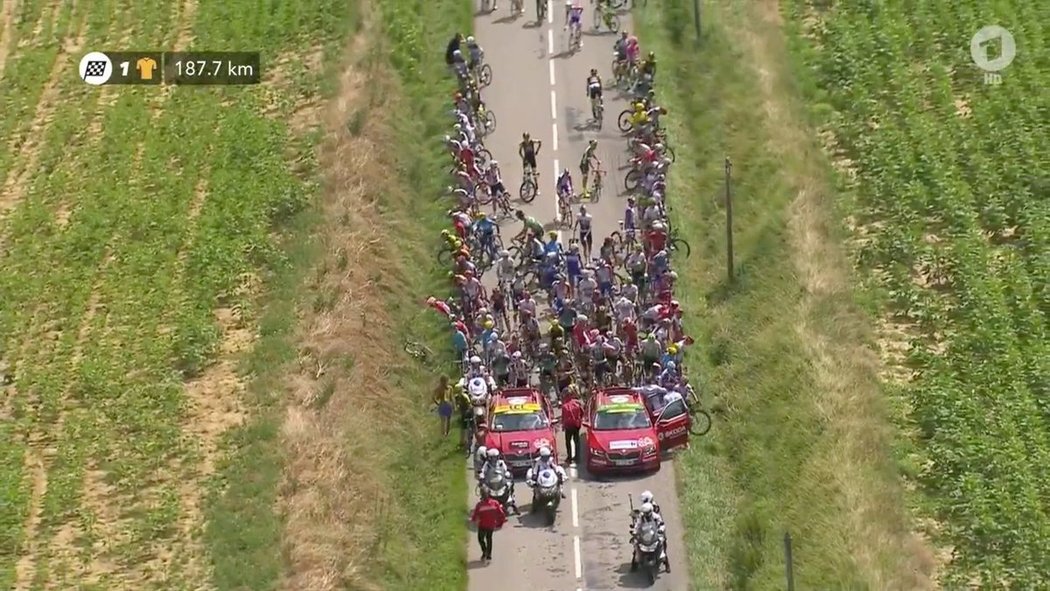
x: 482, y: 75
x: 418, y: 351
x: 529, y: 187
x: 700, y: 422
x: 596, y: 186
x: 565, y: 210
x: 597, y: 111
x: 575, y: 38
x: 607, y: 17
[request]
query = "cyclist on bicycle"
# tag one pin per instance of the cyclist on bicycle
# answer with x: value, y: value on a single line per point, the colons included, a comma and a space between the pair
x: 564, y: 187
x: 648, y: 67
x: 589, y: 156
x: 633, y: 49
x: 476, y: 54
x: 594, y: 87
x: 530, y: 226
x: 494, y: 179
x: 528, y: 149
x: 574, y: 18
x: 486, y: 229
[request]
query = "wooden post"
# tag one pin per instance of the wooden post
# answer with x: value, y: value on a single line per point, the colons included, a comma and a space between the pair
x: 729, y: 220
x: 789, y: 567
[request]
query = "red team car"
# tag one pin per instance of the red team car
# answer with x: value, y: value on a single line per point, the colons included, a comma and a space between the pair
x: 625, y: 434
x: 520, y: 423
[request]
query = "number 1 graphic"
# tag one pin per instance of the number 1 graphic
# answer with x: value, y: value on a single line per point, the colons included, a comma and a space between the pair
x: 124, y: 68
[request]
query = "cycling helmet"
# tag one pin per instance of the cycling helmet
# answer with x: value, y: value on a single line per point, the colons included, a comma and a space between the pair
x: 475, y: 360
x: 594, y: 142
x: 672, y: 349
x: 545, y: 452
x: 481, y: 215
x: 647, y: 497
x: 519, y: 214
x: 652, y: 55
x: 594, y: 71
x: 647, y: 508
x: 445, y: 233
x: 568, y: 3
x: 525, y: 136
x: 564, y: 171
x: 493, y: 453
x: 552, y: 234
x: 671, y: 365
x: 516, y: 355
x: 673, y: 275
x: 493, y: 162
x: 583, y: 209
x: 470, y: 40
x: 482, y: 450
x: 504, y: 253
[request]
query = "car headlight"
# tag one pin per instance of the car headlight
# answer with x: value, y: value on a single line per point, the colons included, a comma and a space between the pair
x: 596, y: 452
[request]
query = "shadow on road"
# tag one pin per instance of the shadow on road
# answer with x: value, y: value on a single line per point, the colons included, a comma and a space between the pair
x: 632, y: 580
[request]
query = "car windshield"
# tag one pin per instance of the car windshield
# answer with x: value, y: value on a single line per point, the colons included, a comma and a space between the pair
x: 519, y: 421
x: 616, y: 419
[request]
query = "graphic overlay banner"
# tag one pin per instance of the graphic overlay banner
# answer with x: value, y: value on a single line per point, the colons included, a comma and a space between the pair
x: 212, y: 67
x: 136, y: 67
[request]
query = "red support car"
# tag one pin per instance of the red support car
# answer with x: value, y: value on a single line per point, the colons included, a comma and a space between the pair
x: 625, y: 433
x: 520, y: 423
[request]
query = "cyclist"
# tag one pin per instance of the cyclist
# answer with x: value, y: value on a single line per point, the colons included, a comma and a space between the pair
x: 589, y: 156
x: 564, y: 187
x: 476, y: 55
x: 574, y: 19
x: 583, y: 225
x: 648, y: 66
x: 594, y: 88
x: 486, y: 229
x: 633, y: 50
x: 528, y: 149
x: 620, y: 47
x: 530, y: 226
x: 495, y: 180
x: 639, y: 118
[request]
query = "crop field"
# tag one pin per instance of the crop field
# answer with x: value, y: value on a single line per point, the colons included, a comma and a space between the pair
x: 138, y: 224
x: 949, y: 177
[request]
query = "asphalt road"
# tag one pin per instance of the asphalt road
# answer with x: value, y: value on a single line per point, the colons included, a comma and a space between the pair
x: 539, y: 88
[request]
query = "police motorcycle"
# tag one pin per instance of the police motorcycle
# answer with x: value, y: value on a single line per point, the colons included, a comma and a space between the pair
x: 546, y: 493
x: 648, y: 546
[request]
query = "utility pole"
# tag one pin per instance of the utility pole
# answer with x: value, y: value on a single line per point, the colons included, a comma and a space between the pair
x: 729, y: 220
x: 696, y: 17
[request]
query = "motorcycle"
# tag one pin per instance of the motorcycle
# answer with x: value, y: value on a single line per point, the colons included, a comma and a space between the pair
x: 497, y: 486
x: 546, y: 494
x: 648, y: 551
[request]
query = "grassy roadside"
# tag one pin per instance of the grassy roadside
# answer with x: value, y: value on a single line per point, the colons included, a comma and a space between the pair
x: 367, y: 495
x: 802, y: 442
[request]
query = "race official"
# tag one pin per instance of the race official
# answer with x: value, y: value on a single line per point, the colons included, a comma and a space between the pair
x: 489, y: 516
x: 571, y: 420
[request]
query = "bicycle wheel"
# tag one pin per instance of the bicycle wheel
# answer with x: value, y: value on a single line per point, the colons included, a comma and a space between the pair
x: 596, y: 190
x: 624, y: 120
x: 490, y: 122
x: 631, y: 179
x: 679, y: 245
x: 670, y: 152
x: 444, y: 256
x: 483, y: 193
x: 483, y: 157
x: 614, y: 23
x: 485, y: 75
x: 416, y: 350
x: 701, y: 422
x: 527, y: 191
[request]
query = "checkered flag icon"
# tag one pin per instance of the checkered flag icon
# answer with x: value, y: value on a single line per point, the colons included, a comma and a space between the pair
x: 95, y: 69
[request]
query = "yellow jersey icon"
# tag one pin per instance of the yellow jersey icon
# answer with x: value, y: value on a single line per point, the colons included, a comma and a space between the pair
x: 146, y: 66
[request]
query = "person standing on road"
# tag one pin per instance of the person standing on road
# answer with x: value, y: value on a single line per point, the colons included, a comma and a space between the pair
x: 571, y: 420
x: 489, y: 516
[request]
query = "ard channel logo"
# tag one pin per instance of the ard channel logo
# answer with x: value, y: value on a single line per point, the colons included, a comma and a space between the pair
x: 993, y: 49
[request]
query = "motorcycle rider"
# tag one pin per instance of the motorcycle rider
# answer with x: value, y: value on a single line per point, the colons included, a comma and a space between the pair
x: 546, y: 461
x: 493, y: 462
x: 649, y: 515
x: 479, y: 458
x: 647, y: 497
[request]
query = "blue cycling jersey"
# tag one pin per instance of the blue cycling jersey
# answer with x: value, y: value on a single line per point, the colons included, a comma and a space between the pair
x: 572, y: 265
x: 575, y: 15
x: 552, y: 246
x: 485, y: 226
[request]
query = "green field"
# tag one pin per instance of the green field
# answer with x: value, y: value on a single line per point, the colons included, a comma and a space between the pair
x: 187, y: 370
x: 952, y: 224
x: 887, y: 329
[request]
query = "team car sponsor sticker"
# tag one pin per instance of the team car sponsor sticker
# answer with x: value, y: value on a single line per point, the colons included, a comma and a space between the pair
x: 619, y: 399
x: 621, y: 408
x: 671, y: 433
x: 519, y: 444
x: 517, y: 400
x: 624, y: 444
x: 517, y: 408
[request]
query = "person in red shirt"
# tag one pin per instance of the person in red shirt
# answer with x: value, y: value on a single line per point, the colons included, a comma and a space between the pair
x: 572, y: 420
x: 489, y: 516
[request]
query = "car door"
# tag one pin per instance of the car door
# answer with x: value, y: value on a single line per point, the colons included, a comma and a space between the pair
x: 672, y: 426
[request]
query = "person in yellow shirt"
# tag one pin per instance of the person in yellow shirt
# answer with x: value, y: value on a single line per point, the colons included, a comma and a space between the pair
x: 444, y: 396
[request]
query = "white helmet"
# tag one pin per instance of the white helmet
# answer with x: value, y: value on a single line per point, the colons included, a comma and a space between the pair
x: 482, y: 450
x: 647, y: 508
x: 470, y: 40
x: 647, y: 497
x: 545, y: 452
x: 478, y: 387
x: 516, y: 355
x: 504, y: 253
x: 492, y: 452
x: 475, y: 360
x: 494, y: 162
